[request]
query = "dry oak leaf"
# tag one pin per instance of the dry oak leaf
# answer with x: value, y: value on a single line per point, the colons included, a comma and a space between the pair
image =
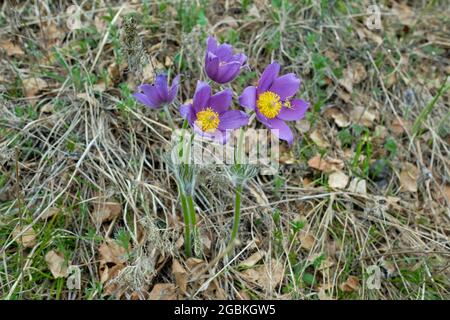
x: 27, y: 239
x: 50, y: 212
x: 180, y: 275
x: 163, y: 291
x: 253, y: 259
x: 52, y: 33
x: 340, y: 118
x: 195, y: 264
x: 108, y: 273
x: 303, y: 125
x: 10, y: 48
x: 408, y: 177
x: 398, y: 126
x: 363, y: 33
x: 319, y: 139
x: 215, y: 290
x: 350, y: 285
x: 33, y: 85
x: 405, y: 14
x: 358, y: 185
x: 325, y: 165
x: 364, y: 116
x: 111, y: 251
x: 267, y: 276
x: 353, y: 74
x: 106, y: 211
x: 447, y: 191
x: 56, y: 263
x: 338, y: 180
x: 307, y: 240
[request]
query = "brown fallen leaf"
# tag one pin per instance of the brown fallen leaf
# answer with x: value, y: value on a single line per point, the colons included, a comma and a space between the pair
x: 398, y: 126
x: 350, y: 285
x: 50, y: 212
x: 364, y: 33
x: 319, y: 139
x: 27, y: 239
x: 404, y: 13
x: 150, y: 70
x: 194, y: 263
x: 113, y: 72
x: 111, y: 251
x: 48, y: 108
x: 339, y: 117
x: 408, y: 177
x: 52, y: 33
x: 109, y: 272
x: 10, y: 48
x: 353, y: 74
x: 307, y: 240
x: 215, y: 290
x: 447, y: 191
x: 364, y: 116
x: 253, y: 259
x: 33, y: 85
x: 267, y: 276
x: 358, y: 185
x: 163, y: 291
x: 303, y: 125
x: 344, y: 95
x: 180, y: 275
x: 326, y: 164
x: 56, y: 264
x: 100, y: 86
x: 106, y: 211
x: 338, y: 180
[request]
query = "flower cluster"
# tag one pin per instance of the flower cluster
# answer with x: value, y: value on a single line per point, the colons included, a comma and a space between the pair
x: 272, y: 100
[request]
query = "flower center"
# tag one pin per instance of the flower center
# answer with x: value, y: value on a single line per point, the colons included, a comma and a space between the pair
x: 269, y: 104
x: 208, y: 120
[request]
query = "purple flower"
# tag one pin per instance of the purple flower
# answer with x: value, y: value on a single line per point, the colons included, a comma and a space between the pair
x: 210, y: 115
x: 159, y: 93
x: 272, y: 101
x: 221, y: 65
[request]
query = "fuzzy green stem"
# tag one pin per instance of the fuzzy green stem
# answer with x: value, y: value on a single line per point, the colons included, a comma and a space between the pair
x: 187, y: 226
x: 237, y: 215
x: 192, y: 217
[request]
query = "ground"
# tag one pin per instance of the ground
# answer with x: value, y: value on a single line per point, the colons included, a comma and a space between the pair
x: 89, y: 208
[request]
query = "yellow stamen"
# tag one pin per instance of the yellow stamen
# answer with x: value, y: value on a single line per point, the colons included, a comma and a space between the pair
x: 207, y: 120
x: 287, y: 104
x: 269, y: 104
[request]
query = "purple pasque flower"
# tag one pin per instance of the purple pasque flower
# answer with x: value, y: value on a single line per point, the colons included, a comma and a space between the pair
x: 159, y: 93
x: 272, y: 100
x: 210, y: 115
x: 221, y: 65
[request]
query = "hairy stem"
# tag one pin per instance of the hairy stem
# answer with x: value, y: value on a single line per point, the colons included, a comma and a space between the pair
x: 237, y: 214
x: 192, y: 217
x: 187, y: 225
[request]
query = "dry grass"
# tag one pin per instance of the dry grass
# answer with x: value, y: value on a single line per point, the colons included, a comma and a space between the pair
x: 72, y: 139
